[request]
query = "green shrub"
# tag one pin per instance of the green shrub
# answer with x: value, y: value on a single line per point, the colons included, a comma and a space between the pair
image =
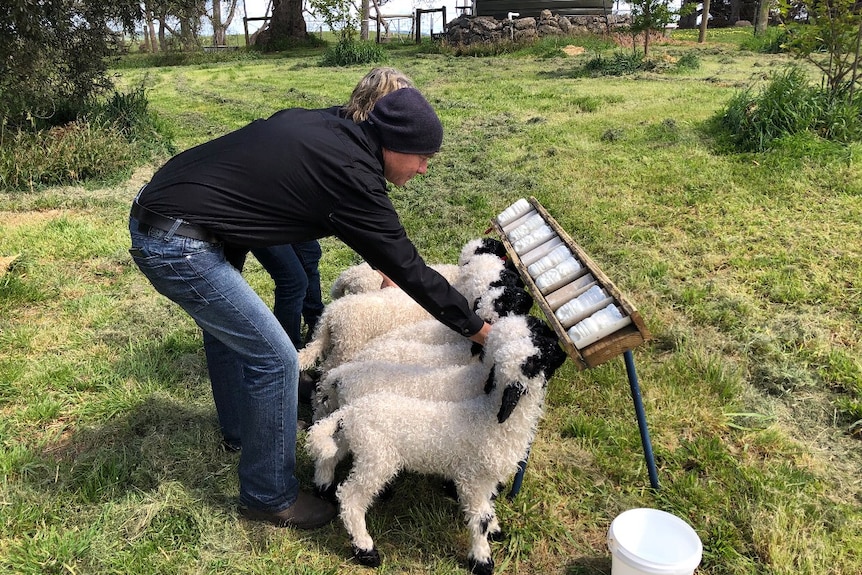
x: 787, y: 105
x: 109, y: 139
x: 619, y: 64
x: 688, y: 61
x: 348, y: 52
x: 840, y: 119
x: 770, y: 42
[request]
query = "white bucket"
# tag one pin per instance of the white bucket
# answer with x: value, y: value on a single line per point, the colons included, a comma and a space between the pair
x: 653, y: 542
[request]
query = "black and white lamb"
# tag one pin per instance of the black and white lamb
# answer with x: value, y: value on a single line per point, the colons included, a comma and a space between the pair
x: 349, y: 322
x: 403, y: 363
x: 361, y: 278
x: 476, y: 443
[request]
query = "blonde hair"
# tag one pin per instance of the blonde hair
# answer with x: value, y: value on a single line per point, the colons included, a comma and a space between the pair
x: 373, y: 86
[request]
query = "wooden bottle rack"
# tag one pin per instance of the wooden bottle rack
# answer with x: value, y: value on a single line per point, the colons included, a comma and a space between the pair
x: 633, y: 331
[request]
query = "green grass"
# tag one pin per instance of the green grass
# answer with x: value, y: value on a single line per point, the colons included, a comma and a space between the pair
x: 746, y: 268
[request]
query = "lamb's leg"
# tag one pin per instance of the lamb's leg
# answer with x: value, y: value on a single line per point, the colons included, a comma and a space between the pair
x: 324, y: 472
x: 369, y: 475
x: 475, y: 498
x: 327, y: 447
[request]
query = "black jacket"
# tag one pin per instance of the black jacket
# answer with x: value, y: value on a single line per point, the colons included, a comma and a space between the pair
x: 297, y: 176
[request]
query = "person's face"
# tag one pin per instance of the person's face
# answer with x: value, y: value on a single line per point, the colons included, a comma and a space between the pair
x: 399, y: 168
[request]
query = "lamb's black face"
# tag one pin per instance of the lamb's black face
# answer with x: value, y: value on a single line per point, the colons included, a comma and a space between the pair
x: 508, y: 278
x: 513, y: 301
x: 550, y: 355
x: 491, y: 246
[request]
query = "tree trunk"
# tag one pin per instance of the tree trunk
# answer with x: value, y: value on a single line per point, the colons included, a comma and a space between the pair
x: 218, y: 29
x: 704, y: 18
x: 646, y: 32
x: 151, y: 29
x: 734, y: 11
x: 762, y: 20
x: 220, y: 25
x: 363, y: 21
x: 287, y: 21
x: 163, y: 42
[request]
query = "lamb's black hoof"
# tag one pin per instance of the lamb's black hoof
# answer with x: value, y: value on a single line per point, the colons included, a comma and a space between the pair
x: 497, y: 536
x: 481, y: 568
x: 327, y: 494
x: 367, y: 557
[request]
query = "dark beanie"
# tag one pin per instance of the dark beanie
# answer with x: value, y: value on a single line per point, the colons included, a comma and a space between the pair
x: 407, y: 123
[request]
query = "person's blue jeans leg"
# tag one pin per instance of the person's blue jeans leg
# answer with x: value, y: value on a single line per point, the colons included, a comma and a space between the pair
x: 196, y: 275
x: 291, y: 283
x: 309, y: 254
x: 225, y: 370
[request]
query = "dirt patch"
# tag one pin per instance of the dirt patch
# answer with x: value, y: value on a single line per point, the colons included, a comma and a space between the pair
x: 6, y: 263
x: 574, y: 50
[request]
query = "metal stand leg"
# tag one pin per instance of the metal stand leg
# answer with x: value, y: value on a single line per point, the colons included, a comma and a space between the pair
x: 642, y: 425
x: 519, y: 477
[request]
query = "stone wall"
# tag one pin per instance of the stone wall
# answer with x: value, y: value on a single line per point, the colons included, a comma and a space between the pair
x: 466, y: 30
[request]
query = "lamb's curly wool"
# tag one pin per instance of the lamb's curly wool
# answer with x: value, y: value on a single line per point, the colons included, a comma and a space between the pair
x: 410, y: 339
x: 414, y: 347
x: 355, y: 379
x: 349, y: 322
x: 477, y: 443
x: 362, y: 278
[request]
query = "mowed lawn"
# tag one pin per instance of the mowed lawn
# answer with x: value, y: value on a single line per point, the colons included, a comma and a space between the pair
x: 745, y: 267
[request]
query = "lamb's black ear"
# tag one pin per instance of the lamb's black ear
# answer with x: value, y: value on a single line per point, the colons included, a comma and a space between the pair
x: 511, y: 395
x: 510, y: 265
x: 513, y: 301
x: 491, y: 246
x: 539, y: 328
x: 477, y: 349
x: 490, y: 384
x: 555, y: 357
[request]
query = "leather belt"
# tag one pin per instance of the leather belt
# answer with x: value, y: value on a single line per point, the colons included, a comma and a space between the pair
x: 149, y: 219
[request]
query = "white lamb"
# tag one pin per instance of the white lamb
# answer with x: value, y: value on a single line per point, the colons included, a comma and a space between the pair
x: 476, y: 443
x: 431, y: 343
x: 495, y: 303
x: 362, y: 278
x: 349, y: 322
x: 347, y: 383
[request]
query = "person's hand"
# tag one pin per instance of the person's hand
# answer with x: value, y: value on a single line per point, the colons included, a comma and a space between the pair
x: 386, y: 281
x: 481, y: 335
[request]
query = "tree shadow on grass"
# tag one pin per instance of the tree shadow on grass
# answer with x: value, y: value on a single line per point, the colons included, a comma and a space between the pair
x: 158, y: 463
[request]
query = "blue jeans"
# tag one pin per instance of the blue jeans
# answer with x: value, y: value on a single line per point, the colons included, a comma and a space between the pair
x: 263, y: 395
x: 294, y: 269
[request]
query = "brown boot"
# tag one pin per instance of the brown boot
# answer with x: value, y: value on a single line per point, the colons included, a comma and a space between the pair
x: 307, y: 512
